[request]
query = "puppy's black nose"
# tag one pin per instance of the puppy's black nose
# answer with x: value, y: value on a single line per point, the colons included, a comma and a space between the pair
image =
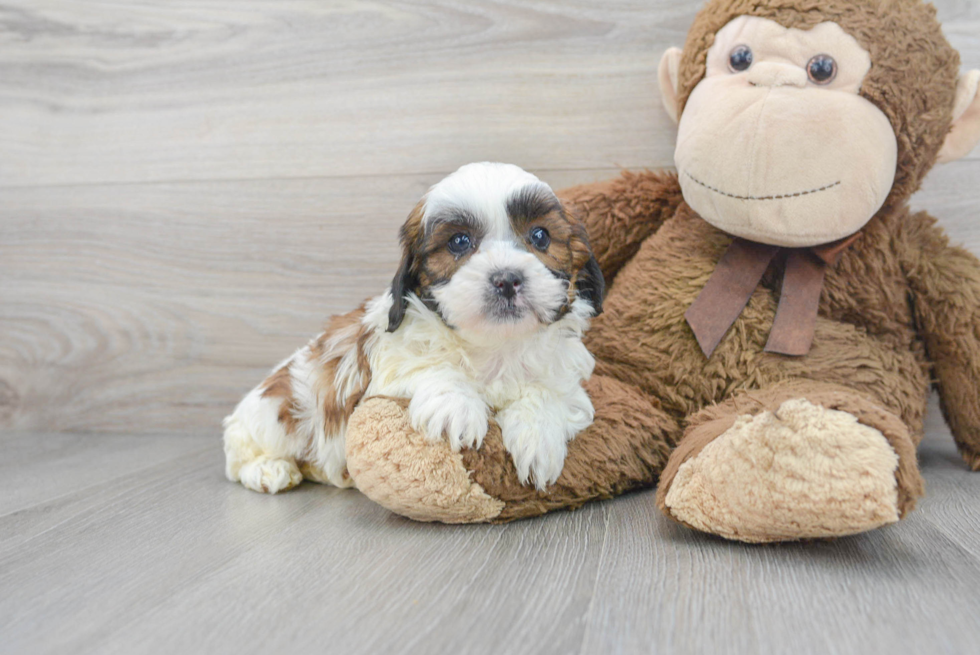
x: 507, y: 283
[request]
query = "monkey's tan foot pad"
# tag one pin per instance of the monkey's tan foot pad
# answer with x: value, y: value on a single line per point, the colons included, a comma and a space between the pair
x: 402, y: 471
x: 799, y: 472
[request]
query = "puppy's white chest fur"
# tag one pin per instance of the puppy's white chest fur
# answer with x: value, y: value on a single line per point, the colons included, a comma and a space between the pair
x: 500, y: 370
x: 531, y: 385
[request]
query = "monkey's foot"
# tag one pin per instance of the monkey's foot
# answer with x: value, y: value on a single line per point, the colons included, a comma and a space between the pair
x: 800, y: 471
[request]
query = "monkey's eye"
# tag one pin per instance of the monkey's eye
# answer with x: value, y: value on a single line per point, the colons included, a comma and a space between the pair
x: 740, y: 59
x: 822, y: 69
x: 459, y: 244
x: 540, y: 238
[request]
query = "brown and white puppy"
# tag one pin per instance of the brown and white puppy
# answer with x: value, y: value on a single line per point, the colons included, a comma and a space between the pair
x: 483, y: 319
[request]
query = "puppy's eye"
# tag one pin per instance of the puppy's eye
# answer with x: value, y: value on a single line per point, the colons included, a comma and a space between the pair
x: 822, y: 69
x: 539, y: 238
x: 459, y: 244
x: 740, y: 59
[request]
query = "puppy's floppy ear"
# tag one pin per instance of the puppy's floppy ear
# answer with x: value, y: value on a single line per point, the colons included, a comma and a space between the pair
x: 590, y: 284
x: 406, y: 278
x: 403, y: 282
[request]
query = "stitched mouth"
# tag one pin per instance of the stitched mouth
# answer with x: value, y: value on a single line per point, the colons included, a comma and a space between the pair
x: 773, y: 197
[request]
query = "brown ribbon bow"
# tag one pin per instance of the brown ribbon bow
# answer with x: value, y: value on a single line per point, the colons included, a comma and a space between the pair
x: 739, y: 272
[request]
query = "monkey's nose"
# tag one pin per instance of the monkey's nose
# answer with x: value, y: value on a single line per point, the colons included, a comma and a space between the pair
x: 507, y: 283
x: 767, y: 73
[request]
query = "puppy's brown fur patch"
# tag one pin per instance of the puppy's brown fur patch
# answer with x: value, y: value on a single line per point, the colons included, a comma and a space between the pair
x: 436, y: 264
x: 344, y: 334
x: 569, y: 251
x: 280, y: 385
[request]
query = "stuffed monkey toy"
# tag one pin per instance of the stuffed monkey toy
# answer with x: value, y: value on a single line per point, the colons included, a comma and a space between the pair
x: 776, y: 315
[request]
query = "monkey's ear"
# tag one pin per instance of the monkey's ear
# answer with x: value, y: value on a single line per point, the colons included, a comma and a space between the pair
x: 402, y: 283
x: 668, y: 76
x: 965, y: 133
x: 591, y: 285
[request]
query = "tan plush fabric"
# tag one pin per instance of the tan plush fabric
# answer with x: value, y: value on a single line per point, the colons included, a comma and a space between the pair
x: 801, y: 471
x: 944, y: 285
x: 777, y: 425
x: 865, y: 338
x: 714, y: 420
x: 631, y: 207
x: 625, y: 449
x: 707, y: 424
x: 397, y: 468
x: 965, y: 133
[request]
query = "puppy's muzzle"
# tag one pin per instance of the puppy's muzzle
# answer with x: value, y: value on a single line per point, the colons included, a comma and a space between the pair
x: 507, y: 283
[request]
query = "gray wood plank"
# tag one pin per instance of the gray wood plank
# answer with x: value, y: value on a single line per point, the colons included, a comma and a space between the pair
x: 950, y: 194
x: 183, y: 561
x: 63, y: 464
x: 173, y: 558
x: 126, y: 91
x: 136, y: 91
x: 953, y: 497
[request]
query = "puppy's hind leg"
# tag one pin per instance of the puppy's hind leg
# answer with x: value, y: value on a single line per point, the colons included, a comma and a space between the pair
x: 270, y: 475
x: 292, y: 425
x: 255, y: 446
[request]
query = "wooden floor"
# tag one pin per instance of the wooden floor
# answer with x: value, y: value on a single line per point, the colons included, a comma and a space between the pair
x: 138, y: 545
x: 189, y: 188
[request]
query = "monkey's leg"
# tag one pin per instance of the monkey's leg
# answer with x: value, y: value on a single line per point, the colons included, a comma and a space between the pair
x: 796, y: 460
x: 625, y: 448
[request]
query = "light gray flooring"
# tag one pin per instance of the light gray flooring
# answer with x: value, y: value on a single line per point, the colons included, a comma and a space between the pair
x: 138, y: 545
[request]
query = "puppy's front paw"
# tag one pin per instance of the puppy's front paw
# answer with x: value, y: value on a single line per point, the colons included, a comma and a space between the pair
x: 461, y: 417
x: 537, y: 446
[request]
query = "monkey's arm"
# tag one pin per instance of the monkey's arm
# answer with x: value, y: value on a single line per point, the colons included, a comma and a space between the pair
x: 620, y: 213
x: 945, y: 283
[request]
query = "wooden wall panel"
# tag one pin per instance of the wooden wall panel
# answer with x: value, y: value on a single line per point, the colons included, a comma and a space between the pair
x: 188, y: 189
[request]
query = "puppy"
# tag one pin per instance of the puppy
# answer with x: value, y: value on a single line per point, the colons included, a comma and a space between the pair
x: 483, y: 319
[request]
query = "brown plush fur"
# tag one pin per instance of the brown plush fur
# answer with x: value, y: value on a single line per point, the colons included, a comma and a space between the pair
x: 900, y: 310
x: 632, y: 206
x: 607, y: 459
